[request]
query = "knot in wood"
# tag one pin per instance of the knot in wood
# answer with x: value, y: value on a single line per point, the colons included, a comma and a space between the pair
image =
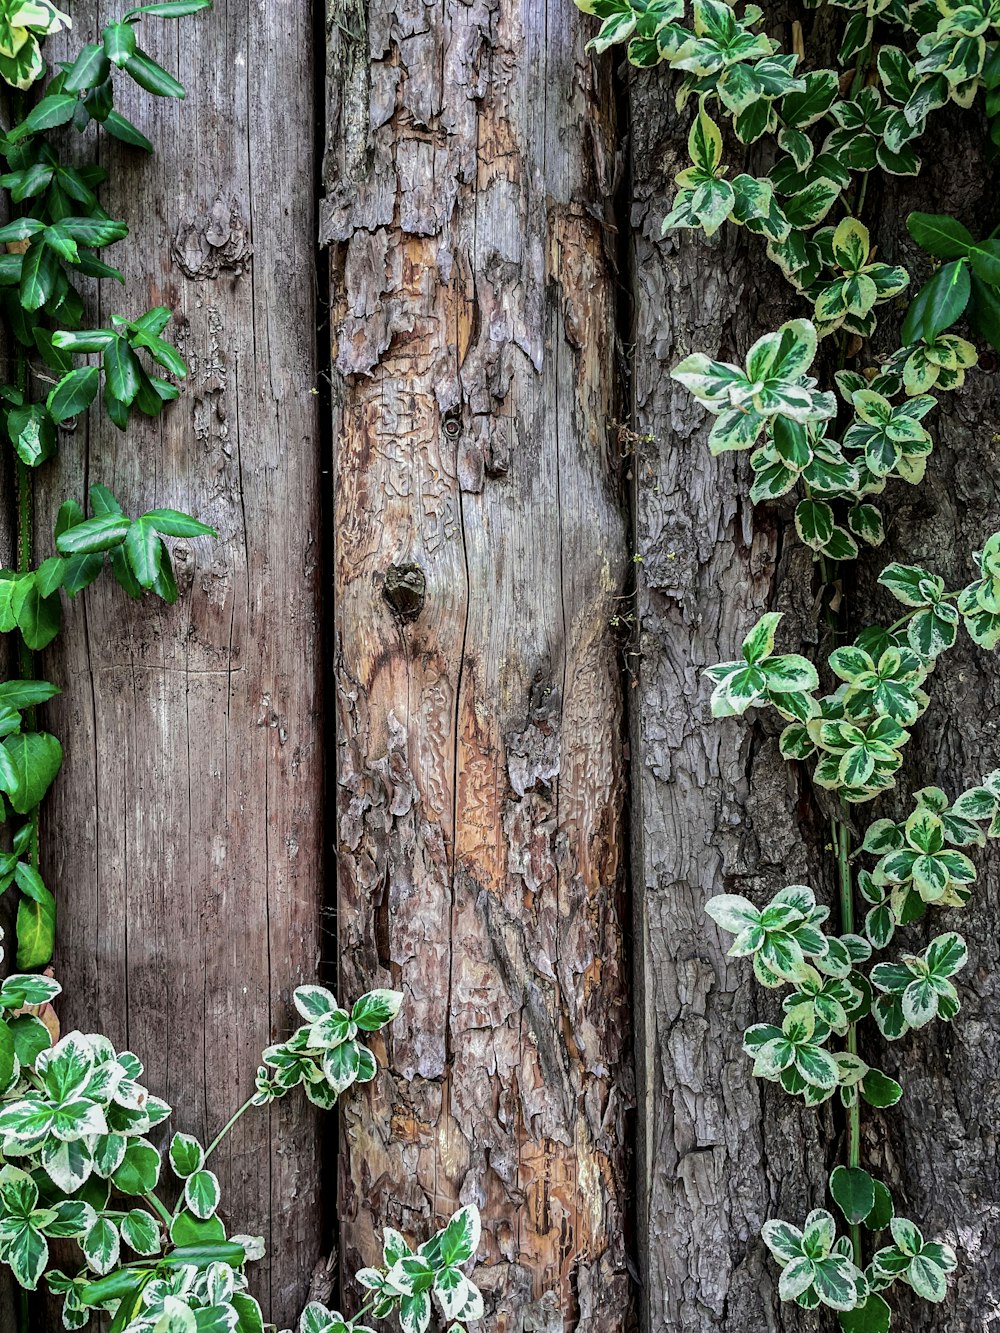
x: 405, y: 588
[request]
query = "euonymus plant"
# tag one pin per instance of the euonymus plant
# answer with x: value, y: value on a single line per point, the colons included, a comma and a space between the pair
x: 139, y: 1245
x: 849, y: 721
x: 154, y: 1254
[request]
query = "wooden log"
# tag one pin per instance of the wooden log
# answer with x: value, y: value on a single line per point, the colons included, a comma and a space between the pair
x: 479, y: 555
x: 183, y: 838
x: 714, y: 807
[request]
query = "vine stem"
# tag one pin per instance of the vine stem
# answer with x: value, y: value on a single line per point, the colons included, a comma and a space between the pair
x: 229, y: 1125
x: 25, y: 542
x: 159, y: 1207
x: 945, y: 597
x: 842, y: 843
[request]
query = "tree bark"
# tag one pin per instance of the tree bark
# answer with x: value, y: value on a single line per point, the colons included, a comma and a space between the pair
x: 479, y: 554
x: 938, y: 1147
x: 183, y: 837
x: 716, y: 809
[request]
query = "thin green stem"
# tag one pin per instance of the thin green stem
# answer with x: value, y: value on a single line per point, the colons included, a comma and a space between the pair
x: 25, y: 543
x: 945, y: 597
x: 862, y: 192
x: 842, y: 843
x: 159, y: 1207
x: 864, y: 58
x: 25, y: 515
x: 24, y: 1314
x: 230, y: 1123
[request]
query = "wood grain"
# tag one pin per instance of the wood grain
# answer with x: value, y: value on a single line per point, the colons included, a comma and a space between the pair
x: 480, y: 775
x: 183, y: 838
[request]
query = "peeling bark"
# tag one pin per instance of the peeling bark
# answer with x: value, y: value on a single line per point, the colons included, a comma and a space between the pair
x: 480, y: 775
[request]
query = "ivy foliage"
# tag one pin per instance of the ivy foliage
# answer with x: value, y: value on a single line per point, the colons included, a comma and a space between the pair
x: 849, y: 720
x: 58, y: 232
x: 81, y: 1167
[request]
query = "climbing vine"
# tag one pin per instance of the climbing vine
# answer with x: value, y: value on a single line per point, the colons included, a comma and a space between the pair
x: 838, y: 450
x: 77, y: 1162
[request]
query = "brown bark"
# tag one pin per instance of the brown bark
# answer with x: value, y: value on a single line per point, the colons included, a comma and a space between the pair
x: 182, y: 838
x: 479, y: 551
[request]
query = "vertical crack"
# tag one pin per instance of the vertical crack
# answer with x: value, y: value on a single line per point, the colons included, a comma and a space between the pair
x: 622, y: 256
x: 327, y: 1268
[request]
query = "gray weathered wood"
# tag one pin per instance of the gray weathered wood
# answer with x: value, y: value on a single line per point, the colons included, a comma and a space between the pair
x: 714, y: 808
x: 183, y: 838
x: 939, y: 1146
x: 479, y: 551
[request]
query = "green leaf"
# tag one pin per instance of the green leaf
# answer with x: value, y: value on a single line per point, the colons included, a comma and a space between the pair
x: 940, y: 235
x: 984, y: 311
x: 340, y: 1065
x: 140, y: 1169
x: 460, y: 1238
x: 372, y: 1011
x: 95, y: 534
x: 883, y: 1211
x: 39, y: 617
x: 31, y: 1037
x: 119, y: 43
x: 141, y: 1232
x: 74, y: 393
x: 39, y: 273
x: 170, y: 9
x: 172, y: 523
x: 57, y: 109
x: 854, y: 1192
x: 143, y: 550
x: 874, y: 1316
x: 939, y: 303
x: 153, y: 77
x: 851, y: 244
x: 36, y: 927
x: 122, y: 370
x: 186, y: 1155
x: 120, y: 128
x: 101, y: 1246
x: 187, y: 1230
x: 32, y: 432
x: 201, y: 1194
x: 759, y: 642
x: 814, y: 522
x: 90, y: 68
x: 34, y: 760
x: 927, y: 1279
x: 705, y: 143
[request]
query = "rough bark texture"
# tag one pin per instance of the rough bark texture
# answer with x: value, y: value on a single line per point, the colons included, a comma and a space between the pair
x: 183, y: 836
x: 716, y: 810
x: 939, y: 1146
x: 479, y: 551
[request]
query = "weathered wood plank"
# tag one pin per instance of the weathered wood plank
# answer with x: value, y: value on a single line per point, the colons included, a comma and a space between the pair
x: 184, y: 836
x: 480, y: 777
